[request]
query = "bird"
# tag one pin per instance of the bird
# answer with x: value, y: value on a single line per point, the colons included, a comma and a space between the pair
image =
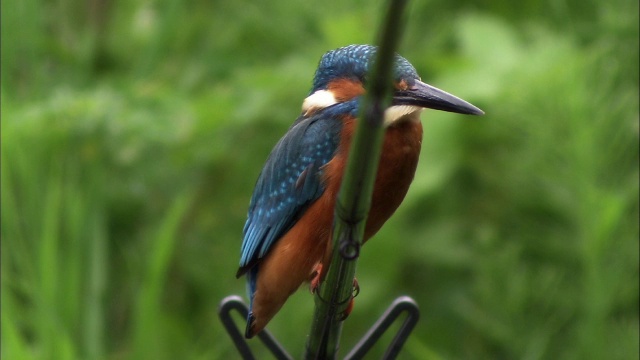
x: 287, y: 234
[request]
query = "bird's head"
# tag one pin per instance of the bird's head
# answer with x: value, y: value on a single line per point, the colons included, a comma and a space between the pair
x: 342, y: 76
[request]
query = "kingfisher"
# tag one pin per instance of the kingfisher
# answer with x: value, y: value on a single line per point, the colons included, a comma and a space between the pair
x: 288, y: 231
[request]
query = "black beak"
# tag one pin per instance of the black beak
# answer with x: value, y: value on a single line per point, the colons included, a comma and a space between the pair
x: 427, y: 96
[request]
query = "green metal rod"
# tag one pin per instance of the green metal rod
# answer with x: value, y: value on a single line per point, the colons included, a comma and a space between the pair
x: 354, y: 199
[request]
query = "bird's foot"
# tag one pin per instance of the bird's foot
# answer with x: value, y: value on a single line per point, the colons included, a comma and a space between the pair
x: 316, y: 275
x: 356, y: 290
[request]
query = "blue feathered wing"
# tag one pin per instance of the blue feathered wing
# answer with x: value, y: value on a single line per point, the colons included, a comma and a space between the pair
x: 290, y: 181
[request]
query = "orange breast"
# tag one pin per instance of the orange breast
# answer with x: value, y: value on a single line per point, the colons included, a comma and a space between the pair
x: 291, y: 261
x: 398, y: 162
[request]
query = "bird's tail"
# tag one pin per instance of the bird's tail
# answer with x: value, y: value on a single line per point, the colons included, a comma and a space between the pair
x: 252, y: 276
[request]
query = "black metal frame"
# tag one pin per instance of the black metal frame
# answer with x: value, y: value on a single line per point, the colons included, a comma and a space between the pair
x: 234, y: 302
x: 399, y: 305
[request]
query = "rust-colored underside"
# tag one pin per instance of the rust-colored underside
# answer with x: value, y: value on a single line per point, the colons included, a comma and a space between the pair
x: 291, y: 260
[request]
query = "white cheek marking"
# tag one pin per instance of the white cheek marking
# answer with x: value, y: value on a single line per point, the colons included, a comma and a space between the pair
x: 397, y: 112
x: 318, y: 100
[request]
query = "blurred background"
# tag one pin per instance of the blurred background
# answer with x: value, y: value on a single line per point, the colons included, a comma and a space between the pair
x: 133, y: 133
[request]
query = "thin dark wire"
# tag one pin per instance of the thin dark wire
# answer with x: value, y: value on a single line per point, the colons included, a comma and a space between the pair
x: 400, y: 305
x: 235, y: 302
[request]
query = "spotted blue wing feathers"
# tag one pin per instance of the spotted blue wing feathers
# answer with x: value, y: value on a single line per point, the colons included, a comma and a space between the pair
x: 290, y: 181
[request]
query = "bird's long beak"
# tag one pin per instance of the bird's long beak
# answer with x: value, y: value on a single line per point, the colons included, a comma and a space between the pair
x: 427, y: 96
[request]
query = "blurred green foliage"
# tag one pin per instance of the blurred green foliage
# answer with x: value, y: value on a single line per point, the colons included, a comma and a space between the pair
x: 133, y: 131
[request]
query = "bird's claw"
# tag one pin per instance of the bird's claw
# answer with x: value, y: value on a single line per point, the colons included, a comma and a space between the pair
x: 316, y: 275
x: 355, y: 291
x: 356, y: 287
x: 314, y: 285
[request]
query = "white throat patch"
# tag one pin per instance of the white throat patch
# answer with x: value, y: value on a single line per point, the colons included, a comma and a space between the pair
x: 397, y: 112
x: 324, y: 98
x: 318, y: 100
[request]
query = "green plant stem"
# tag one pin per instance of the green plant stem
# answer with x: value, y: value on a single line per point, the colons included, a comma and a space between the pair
x: 354, y: 199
